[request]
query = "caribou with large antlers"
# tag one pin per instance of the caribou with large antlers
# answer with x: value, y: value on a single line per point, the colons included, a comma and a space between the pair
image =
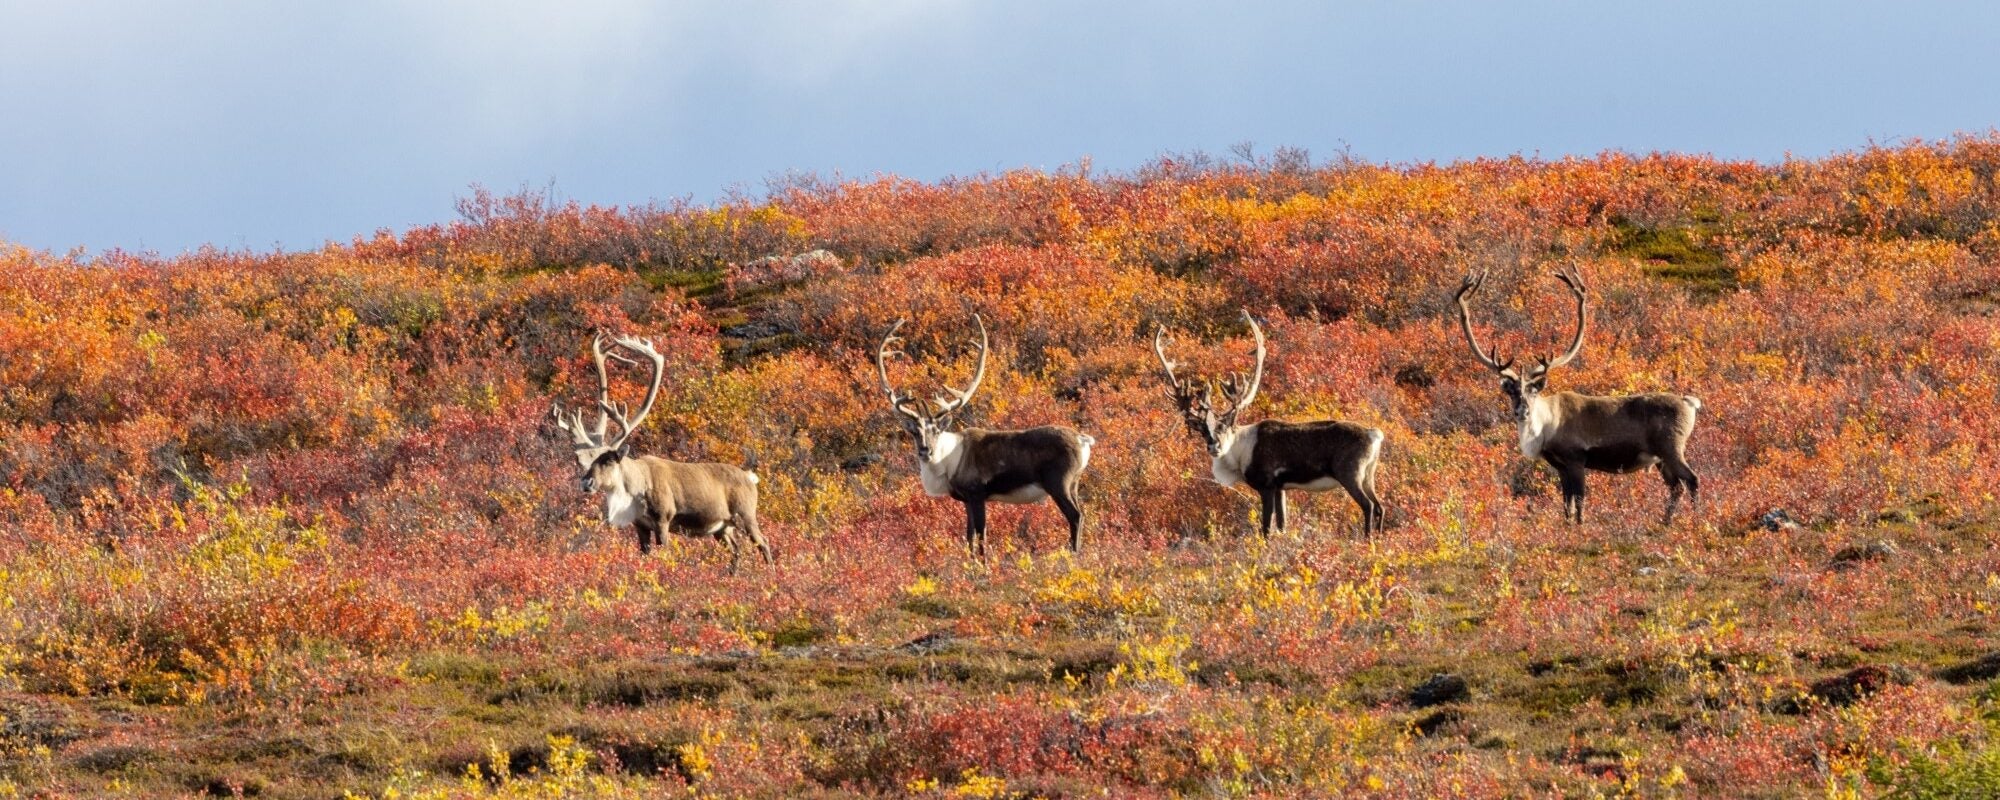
x: 1272, y: 456
x: 653, y: 494
x: 975, y: 466
x: 1579, y: 433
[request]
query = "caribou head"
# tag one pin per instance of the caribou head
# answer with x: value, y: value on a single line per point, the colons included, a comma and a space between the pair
x: 1521, y: 386
x: 1197, y: 401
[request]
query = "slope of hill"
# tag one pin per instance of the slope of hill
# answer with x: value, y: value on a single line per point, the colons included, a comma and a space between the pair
x: 293, y: 525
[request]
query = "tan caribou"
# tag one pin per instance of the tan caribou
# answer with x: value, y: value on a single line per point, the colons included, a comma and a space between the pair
x: 653, y: 494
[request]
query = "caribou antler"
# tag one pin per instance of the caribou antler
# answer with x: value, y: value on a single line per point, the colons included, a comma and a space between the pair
x: 616, y: 411
x: 1574, y: 281
x: 1160, y: 349
x: 907, y: 405
x: 1490, y: 358
x: 1238, y: 396
x: 897, y: 400
x: 1181, y: 390
x: 950, y: 406
x: 579, y: 433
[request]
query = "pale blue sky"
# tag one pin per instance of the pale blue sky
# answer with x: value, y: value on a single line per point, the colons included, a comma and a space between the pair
x: 162, y: 126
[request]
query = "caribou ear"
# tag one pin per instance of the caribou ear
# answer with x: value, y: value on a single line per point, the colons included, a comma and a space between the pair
x: 624, y: 450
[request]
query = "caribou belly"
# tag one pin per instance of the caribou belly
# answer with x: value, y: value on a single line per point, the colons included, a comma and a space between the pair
x: 1031, y: 493
x: 1315, y: 485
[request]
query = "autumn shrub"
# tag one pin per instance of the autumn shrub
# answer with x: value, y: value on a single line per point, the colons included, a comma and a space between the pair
x: 241, y: 483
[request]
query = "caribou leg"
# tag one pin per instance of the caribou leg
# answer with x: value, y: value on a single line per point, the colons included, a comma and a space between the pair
x: 735, y: 542
x: 1374, y: 501
x: 1358, y: 489
x: 1065, y: 498
x: 749, y: 527
x: 975, y: 531
x: 1573, y: 490
x: 647, y: 531
x: 1678, y: 476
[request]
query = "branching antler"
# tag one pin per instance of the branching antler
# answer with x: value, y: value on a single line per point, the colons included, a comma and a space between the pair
x: 1180, y: 389
x: 615, y: 411
x: 608, y: 409
x: 1490, y: 358
x: 897, y: 400
x: 1238, y: 396
x: 1574, y: 281
x: 946, y: 406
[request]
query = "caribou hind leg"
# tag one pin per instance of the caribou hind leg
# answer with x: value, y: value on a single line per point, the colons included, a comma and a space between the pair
x: 749, y: 527
x: 1065, y: 499
x: 1358, y: 489
x: 729, y: 537
x: 1374, y: 500
x: 1678, y: 476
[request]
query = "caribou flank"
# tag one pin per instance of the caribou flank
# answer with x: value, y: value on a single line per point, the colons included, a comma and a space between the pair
x: 1272, y: 456
x: 975, y: 466
x: 654, y: 494
x: 1578, y: 433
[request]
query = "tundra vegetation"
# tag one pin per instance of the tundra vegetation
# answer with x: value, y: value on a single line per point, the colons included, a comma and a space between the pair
x: 297, y: 524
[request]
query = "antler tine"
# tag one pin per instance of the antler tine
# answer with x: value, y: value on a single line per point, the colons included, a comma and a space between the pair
x: 1174, y: 383
x: 597, y: 356
x: 897, y: 400
x: 1248, y: 395
x: 1491, y: 358
x: 949, y: 407
x: 628, y: 424
x: 563, y: 424
x: 1575, y: 284
x: 572, y: 422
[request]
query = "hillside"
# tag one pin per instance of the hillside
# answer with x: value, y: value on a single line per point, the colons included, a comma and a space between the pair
x: 296, y: 525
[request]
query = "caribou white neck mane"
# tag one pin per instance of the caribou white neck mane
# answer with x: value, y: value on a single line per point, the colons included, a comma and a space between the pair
x: 1236, y: 444
x: 945, y: 457
x: 1539, y: 426
x: 631, y: 481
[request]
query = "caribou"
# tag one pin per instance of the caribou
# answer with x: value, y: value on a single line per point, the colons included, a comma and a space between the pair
x: 653, y: 494
x: 1578, y: 433
x: 976, y: 466
x: 1273, y: 456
